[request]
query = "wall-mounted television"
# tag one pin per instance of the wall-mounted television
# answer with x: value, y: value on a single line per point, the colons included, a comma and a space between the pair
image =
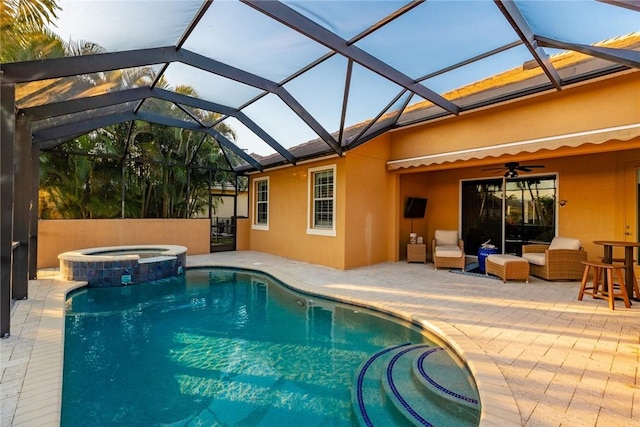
x: 415, y: 207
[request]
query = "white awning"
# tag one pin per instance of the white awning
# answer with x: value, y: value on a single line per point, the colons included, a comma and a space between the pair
x: 597, y: 136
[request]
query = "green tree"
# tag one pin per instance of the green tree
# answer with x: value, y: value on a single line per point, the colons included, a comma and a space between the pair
x: 76, y: 184
x: 23, y: 32
x: 164, y: 170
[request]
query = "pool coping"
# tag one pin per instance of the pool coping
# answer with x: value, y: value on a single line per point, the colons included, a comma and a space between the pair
x: 89, y: 254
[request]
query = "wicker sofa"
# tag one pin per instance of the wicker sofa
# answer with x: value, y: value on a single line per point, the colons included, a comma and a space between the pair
x: 560, y: 260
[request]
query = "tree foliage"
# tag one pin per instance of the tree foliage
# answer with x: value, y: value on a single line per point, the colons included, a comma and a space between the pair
x: 23, y: 32
x: 164, y: 173
x: 132, y: 169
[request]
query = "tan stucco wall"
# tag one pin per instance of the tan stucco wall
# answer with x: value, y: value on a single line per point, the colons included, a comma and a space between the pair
x: 599, y: 181
x: 287, y: 235
x: 224, y: 209
x: 371, y: 220
x: 243, y: 234
x: 600, y: 197
x: 608, y: 103
x: 366, y: 222
x: 57, y: 236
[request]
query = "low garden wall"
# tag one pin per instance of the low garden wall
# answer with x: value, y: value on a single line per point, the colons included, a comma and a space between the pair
x: 58, y: 236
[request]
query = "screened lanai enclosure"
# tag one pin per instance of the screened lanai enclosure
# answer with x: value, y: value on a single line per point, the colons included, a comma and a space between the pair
x: 157, y: 102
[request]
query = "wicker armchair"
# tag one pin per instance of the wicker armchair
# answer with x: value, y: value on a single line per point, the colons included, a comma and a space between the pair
x: 447, y: 250
x: 560, y: 260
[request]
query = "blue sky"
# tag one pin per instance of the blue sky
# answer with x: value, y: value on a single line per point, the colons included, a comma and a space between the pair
x: 434, y: 35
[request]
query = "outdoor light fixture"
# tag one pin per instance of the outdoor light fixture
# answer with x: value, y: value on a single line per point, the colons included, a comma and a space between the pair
x: 562, y: 203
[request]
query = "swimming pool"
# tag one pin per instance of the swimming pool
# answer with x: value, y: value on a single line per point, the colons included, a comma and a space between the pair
x: 233, y: 347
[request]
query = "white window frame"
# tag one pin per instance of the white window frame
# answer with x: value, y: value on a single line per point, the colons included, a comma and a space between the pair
x: 254, y: 223
x: 320, y: 231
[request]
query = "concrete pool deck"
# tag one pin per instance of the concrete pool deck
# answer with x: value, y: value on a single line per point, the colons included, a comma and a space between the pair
x: 540, y: 356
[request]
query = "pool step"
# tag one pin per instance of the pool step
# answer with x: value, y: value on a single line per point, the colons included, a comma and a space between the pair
x: 432, y: 369
x: 414, y: 384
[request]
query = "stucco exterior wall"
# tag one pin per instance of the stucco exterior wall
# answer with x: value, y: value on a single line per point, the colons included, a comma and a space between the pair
x: 371, y: 220
x: 243, y: 231
x: 224, y: 209
x: 608, y: 103
x: 600, y: 197
x: 599, y: 181
x: 288, y: 212
x: 366, y: 220
x: 57, y: 236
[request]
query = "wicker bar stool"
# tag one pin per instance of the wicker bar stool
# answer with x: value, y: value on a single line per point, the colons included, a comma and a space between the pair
x: 608, y: 290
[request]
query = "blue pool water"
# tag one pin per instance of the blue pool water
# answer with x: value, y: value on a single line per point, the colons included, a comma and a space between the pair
x: 234, y: 348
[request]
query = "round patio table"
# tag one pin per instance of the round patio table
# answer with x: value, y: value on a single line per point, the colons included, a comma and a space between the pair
x: 628, y: 260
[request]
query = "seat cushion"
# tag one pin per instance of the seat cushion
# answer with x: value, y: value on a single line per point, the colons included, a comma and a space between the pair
x: 500, y: 259
x: 536, y: 258
x: 565, y: 243
x: 448, y: 251
x: 446, y: 237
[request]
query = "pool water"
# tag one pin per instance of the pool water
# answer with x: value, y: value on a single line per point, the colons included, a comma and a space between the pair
x: 142, y: 253
x: 224, y: 347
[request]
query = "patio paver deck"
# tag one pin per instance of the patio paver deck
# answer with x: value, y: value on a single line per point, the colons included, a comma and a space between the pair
x: 540, y: 356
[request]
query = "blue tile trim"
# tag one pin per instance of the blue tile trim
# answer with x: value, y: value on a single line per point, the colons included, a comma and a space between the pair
x: 438, y: 386
x: 394, y: 389
x: 363, y: 371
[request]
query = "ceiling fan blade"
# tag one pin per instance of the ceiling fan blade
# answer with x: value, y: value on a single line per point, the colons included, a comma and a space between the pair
x: 512, y: 167
x: 528, y: 168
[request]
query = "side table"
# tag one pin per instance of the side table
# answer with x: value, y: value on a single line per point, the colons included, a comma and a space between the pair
x: 483, y: 253
x: 416, y: 252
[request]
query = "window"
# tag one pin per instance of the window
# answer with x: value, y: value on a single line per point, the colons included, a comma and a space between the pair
x: 261, y: 206
x: 322, y: 201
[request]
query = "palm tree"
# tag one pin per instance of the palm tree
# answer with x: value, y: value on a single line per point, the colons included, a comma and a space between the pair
x: 85, y: 186
x: 23, y: 32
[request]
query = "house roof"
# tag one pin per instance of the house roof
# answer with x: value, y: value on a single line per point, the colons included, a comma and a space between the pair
x: 302, y: 79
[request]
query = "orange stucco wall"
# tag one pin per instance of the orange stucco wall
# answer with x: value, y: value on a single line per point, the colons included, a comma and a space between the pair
x: 599, y: 181
x: 366, y: 223
x: 288, y: 199
x: 600, y: 197
x: 243, y: 230
x: 608, y: 103
x: 591, y: 176
x: 370, y: 218
x: 57, y: 236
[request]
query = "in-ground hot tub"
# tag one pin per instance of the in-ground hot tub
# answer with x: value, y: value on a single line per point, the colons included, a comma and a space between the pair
x: 122, y: 265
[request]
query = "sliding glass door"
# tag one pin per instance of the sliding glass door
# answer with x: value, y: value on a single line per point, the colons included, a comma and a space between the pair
x: 508, y: 212
x: 529, y: 212
x: 482, y: 215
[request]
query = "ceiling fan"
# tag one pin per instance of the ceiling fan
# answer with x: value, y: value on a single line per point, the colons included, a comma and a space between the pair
x: 512, y: 169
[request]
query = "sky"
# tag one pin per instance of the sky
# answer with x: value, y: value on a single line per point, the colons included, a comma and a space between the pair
x: 434, y: 35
